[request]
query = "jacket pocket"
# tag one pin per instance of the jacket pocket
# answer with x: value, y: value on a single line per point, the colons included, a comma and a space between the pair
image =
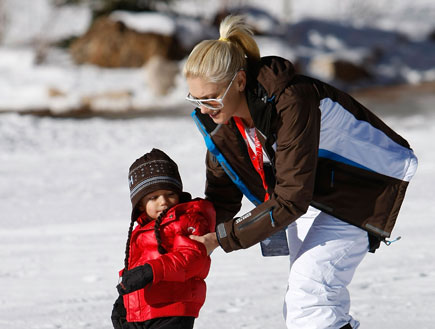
x: 166, y: 292
x: 356, y: 195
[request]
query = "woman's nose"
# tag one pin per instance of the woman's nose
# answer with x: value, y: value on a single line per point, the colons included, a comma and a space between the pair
x: 204, y: 110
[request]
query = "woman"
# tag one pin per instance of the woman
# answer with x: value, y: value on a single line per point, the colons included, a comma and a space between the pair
x: 317, y: 165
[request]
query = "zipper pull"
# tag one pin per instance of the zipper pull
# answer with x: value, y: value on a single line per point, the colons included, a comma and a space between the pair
x: 272, y: 220
x: 388, y: 242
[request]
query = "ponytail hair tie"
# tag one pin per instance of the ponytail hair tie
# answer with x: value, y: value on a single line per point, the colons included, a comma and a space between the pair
x: 224, y: 39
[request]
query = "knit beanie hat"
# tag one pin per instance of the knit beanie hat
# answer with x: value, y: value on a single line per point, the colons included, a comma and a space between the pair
x: 153, y: 171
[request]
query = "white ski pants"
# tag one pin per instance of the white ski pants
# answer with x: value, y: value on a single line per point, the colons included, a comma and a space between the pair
x: 324, y: 253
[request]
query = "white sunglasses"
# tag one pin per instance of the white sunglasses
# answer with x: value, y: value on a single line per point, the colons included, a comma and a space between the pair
x: 214, y: 104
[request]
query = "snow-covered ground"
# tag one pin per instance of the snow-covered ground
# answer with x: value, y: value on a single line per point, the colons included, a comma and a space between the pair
x: 65, y: 213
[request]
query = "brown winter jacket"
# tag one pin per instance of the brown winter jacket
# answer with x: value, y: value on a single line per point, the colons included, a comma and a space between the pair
x: 331, y: 152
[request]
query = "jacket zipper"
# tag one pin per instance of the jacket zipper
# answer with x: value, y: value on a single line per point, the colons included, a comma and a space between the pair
x: 257, y: 218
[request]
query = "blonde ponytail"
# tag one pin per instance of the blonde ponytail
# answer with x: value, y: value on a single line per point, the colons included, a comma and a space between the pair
x: 234, y: 29
x: 218, y: 60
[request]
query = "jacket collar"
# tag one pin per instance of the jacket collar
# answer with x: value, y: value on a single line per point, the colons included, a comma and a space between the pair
x: 195, y: 205
x: 261, y: 106
x: 144, y: 221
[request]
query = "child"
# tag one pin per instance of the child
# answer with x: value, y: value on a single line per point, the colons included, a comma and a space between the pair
x: 163, y: 279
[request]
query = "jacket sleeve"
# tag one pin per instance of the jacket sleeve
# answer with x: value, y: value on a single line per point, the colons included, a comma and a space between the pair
x: 295, y: 164
x: 188, y: 258
x: 220, y: 189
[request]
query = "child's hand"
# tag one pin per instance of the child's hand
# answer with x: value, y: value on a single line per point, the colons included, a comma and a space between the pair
x: 209, y: 240
x: 135, y: 279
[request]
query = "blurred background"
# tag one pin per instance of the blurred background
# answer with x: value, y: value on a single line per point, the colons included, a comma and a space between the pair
x: 81, y: 57
x: 88, y: 86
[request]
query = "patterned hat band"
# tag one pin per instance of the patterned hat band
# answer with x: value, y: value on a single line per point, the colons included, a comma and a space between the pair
x: 152, y: 172
x: 160, y: 180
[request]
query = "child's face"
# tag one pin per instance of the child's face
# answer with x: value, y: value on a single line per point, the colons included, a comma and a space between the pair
x: 154, y: 203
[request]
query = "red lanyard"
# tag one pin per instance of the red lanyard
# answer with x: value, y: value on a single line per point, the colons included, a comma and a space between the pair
x: 256, y: 159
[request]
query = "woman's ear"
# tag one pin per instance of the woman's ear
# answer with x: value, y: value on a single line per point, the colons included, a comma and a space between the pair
x: 241, y: 81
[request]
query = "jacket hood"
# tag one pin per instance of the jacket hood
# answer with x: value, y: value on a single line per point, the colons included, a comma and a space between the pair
x: 273, y: 73
x: 265, y: 84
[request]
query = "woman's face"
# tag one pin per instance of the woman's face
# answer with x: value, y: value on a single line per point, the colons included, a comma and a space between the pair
x: 233, y: 102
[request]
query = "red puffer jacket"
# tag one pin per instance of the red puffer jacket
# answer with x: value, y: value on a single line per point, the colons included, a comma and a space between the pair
x: 178, y: 288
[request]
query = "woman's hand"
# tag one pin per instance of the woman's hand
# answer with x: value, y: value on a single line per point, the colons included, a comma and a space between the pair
x: 209, y: 240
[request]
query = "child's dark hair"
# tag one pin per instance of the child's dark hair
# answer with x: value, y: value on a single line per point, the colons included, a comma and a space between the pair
x: 161, y: 249
x: 127, y: 247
